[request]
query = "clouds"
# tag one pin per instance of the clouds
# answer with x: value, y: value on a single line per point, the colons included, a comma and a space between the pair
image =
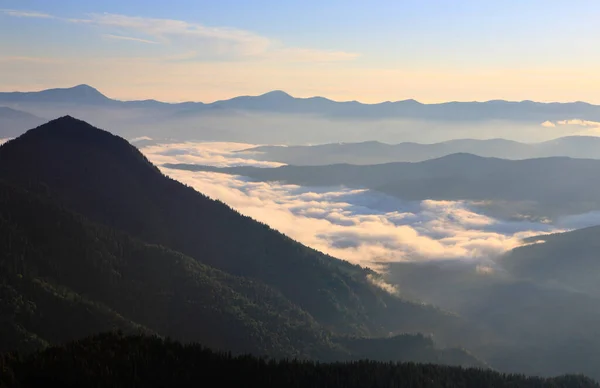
x: 218, y: 41
x: 591, y: 128
x: 129, y: 38
x: 360, y: 226
x: 198, y: 41
x: 220, y: 154
x: 26, y: 14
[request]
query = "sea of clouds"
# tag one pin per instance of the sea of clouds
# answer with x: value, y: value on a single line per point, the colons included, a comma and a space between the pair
x: 361, y: 226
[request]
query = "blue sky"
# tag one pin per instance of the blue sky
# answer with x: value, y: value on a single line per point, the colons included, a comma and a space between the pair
x: 365, y: 50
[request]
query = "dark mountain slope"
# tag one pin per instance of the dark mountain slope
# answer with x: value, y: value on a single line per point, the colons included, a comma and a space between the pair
x: 136, y: 361
x: 63, y: 278
x: 104, y: 178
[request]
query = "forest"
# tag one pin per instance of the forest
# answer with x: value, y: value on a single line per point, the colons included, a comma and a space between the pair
x: 115, y: 360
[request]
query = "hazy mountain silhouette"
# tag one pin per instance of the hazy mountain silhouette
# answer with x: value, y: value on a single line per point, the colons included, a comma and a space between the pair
x: 559, y: 184
x: 569, y: 260
x: 278, y: 118
x: 80, y: 94
x: 281, y: 102
x: 373, y: 152
x: 13, y: 122
x: 544, y: 325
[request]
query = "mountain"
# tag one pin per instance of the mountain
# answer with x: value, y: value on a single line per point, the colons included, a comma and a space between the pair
x: 279, y: 118
x: 545, y: 327
x: 92, y: 231
x: 13, y: 122
x: 87, y: 215
x: 373, y: 152
x: 80, y: 94
x: 557, y: 185
x: 569, y: 260
x: 280, y: 102
x: 56, y: 265
x: 107, y: 360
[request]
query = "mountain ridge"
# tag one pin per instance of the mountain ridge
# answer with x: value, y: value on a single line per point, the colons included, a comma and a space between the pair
x: 552, y: 186
x: 87, y: 89
x: 375, y: 152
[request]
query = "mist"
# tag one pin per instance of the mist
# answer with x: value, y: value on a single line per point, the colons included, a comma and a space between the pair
x: 361, y: 226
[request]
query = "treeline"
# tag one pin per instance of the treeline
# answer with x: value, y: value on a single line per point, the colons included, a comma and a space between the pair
x: 115, y: 360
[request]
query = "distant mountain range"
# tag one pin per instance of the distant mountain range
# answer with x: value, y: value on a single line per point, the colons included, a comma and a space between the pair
x: 558, y: 185
x: 373, y: 152
x: 278, y: 118
x: 280, y: 102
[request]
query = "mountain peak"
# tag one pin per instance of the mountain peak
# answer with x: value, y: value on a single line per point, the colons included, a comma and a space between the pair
x: 84, y: 87
x: 82, y: 91
x: 65, y: 126
x: 72, y: 141
x: 276, y: 94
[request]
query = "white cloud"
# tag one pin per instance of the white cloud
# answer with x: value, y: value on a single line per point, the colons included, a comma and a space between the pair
x: 218, y: 40
x: 141, y: 138
x: 202, y: 40
x: 379, y: 282
x: 220, y: 154
x: 360, y: 226
x: 2, y: 141
x: 548, y: 124
x: 591, y: 128
x: 26, y: 14
x: 129, y: 38
x: 579, y: 122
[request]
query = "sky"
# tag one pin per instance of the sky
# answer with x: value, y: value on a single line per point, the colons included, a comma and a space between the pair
x: 370, y: 51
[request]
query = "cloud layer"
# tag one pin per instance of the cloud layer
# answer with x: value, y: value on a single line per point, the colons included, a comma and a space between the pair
x: 361, y: 226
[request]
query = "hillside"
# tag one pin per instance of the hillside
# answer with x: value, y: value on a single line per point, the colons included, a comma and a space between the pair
x: 569, y: 260
x: 57, y: 264
x: 373, y: 152
x: 111, y: 360
x: 275, y: 295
